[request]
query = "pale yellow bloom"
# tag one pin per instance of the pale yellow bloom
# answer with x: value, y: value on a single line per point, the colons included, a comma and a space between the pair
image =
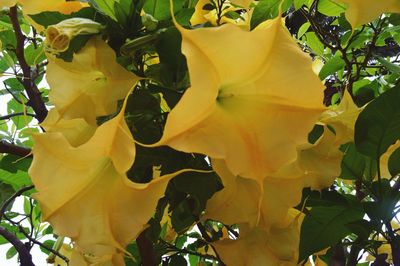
x: 7, y: 3
x: 90, y: 85
x: 243, y: 200
x: 384, y: 160
x: 237, y: 202
x: 62, y: 6
x: 85, y: 194
x: 77, y: 131
x: 253, y: 98
x: 255, y: 246
x: 342, y: 118
x: 58, y: 36
x: 360, y: 12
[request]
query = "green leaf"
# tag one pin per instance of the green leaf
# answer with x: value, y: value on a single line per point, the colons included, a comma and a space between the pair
x: 48, y: 18
x: 34, y: 55
x: 394, y: 163
x: 177, y: 260
x: 265, y: 9
x: 382, y: 210
x: 333, y: 65
x: 17, y: 180
x: 315, y: 134
x: 11, y: 252
x: 299, y: 3
x: 6, y: 191
x: 303, y: 29
x: 160, y: 9
x: 48, y: 243
x: 389, y: 65
x: 314, y: 43
x: 105, y: 6
x: 330, y: 7
x: 353, y: 163
x: 378, y: 125
x: 325, y: 226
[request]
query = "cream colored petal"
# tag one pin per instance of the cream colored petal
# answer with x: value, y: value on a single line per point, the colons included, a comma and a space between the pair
x: 199, y: 13
x: 239, y: 93
x: 62, y: 6
x: 280, y: 195
x: 384, y: 160
x: 320, y: 162
x: 279, y: 246
x: 91, y: 84
x: 342, y: 118
x: 77, y: 131
x: 85, y: 194
x: 360, y: 12
x: 7, y: 3
x: 237, y: 202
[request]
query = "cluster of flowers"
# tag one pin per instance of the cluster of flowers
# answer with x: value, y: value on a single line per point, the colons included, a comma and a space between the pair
x: 252, y: 102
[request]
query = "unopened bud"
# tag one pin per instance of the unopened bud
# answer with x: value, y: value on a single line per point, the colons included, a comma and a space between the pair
x: 58, y: 36
x: 149, y: 22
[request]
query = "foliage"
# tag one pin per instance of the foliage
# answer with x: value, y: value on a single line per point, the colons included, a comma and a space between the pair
x: 209, y: 132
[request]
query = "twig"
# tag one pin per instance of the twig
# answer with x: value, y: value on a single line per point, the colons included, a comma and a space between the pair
x: 35, y: 98
x: 4, y: 117
x: 12, y: 198
x: 6, y: 147
x: 24, y: 255
x: 146, y: 249
x: 33, y: 240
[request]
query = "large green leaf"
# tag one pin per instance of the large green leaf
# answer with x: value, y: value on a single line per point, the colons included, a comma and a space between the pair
x: 353, y: 163
x: 378, y: 125
x: 265, y: 9
x: 325, y: 226
x: 332, y: 65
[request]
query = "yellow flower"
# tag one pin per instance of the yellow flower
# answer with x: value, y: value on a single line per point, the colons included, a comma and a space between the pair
x: 85, y: 194
x: 237, y: 202
x: 360, y: 12
x: 255, y: 246
x: 8, y: 3
x: 91, y: 84
x: 243, y: 200
x: 62, y: 6
x: 77, y: 131
x: 58, y: 36
x: 253, y: 98
x: 320, y: 162
x: 342, y: 118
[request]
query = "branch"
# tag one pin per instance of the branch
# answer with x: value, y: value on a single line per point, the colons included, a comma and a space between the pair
x: 5, y: 117
x: 12, y: 198
x: 35, y: 99
x: 146, y: 249
x: 24, y: 255
x: 6, y: 147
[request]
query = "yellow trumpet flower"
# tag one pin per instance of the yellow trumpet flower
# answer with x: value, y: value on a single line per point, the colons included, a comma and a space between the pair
x: 92, y: 83
x: 253, y: 98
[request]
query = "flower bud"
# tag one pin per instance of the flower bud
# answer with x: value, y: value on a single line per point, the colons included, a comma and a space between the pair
x: 58, y: 36
x: 149, y: 22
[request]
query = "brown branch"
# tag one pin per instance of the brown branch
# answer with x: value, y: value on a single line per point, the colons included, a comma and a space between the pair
x: 24, y: 255
x: 146, y: 250
x: 5, y: 117
x: 35, y: 98
x: 6, y: 147
x: 12, y: 198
